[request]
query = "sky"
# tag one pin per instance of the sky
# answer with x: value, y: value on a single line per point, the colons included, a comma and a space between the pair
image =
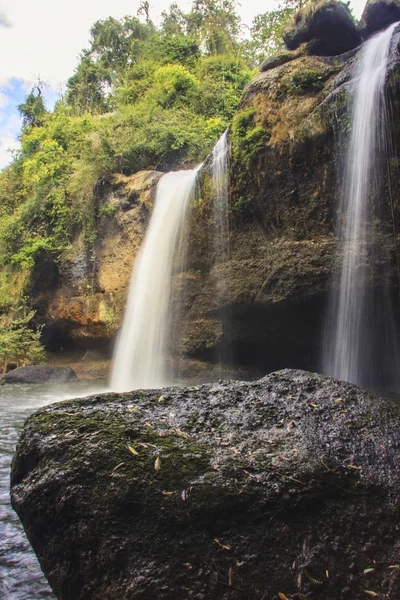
x: 43, y: 39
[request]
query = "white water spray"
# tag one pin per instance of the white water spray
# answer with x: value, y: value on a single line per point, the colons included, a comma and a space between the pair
x: 351, y: 350
x: 140, y: 359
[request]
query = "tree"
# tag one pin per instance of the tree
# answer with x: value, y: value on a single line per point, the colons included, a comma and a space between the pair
x: 267, y: 29
x: 113, y: 47
x: 19, y: 343
x: 33, y: 110
x: 217, y: 24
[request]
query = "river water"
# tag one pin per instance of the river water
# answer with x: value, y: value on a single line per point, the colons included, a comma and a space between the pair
x: 20, y: 574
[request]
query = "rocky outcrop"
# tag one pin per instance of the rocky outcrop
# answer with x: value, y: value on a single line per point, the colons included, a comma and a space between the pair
x: 39, y: 374
x: 378, y: 15
x: 267, y: 302
x: 288, y: 486
x: 327, y: 26
x: 86, y: 306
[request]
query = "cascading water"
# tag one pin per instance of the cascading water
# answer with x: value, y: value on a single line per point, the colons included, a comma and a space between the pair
x: 220, y: 182
x: 220, y: 190
x: 140, y: 359
x: 360, y: 339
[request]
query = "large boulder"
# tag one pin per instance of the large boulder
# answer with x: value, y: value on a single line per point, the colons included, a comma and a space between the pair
x: 286, y: 486
x: 378, y: 15
x: 327, y: 24
x: 40, y: 374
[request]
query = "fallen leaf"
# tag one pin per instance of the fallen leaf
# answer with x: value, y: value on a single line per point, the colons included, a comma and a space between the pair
x: 338, y: 400
x: 167, y: 493
x: 312, y: 579
x: 161, y: 399
x: 157, y: 464
x: 230, y: 576
x: 121, y: 465
x: 354, y: 467
x: 372, y: 594
x: 184, y: 495
x: 131, y: 449
x: 223, y: 546
x: 327, y: 574
x: 314, y: 405
x: 282, y: 596
x: 369, y: 570
x: 394, y: 567
x: 289, y: 426
x: 171, y: 414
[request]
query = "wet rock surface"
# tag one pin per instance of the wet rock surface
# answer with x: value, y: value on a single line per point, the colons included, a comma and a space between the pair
x: 288, y: 485
x: 40, y: 374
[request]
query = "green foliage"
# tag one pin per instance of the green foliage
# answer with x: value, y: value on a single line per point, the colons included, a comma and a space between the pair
x: 267, y: 29
x: 247, y: 138
x: 142, y: 97
x: 33, y: 109
x: 302, y: 81
x: 247, y: 141
x: 19, y: 343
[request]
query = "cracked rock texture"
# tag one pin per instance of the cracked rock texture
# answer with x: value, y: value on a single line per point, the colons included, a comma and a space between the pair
x: 287, y: 485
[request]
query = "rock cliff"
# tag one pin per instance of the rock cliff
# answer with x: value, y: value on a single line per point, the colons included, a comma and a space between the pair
x: 286, y: 153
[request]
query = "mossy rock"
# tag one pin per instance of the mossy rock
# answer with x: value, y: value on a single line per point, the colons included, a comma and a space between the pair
x: 189, y: 492
x: 378, y: 15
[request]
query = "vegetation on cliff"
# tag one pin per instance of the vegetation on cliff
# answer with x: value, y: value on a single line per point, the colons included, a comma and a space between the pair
x: 142, y: 97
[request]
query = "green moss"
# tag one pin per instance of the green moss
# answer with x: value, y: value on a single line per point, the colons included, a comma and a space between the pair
x: 302, y: 82
x: 248, y: 140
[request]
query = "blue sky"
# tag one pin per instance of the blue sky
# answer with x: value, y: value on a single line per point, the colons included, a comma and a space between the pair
x: 43, y: 39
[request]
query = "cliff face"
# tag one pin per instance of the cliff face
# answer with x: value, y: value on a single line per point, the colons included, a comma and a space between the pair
x: 284, y: 165
x: 86, y: 305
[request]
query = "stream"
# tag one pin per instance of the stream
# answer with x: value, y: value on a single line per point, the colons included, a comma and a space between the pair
x: 20, y: 575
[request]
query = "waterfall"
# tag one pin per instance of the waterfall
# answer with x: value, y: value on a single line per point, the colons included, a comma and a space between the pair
x: 360, y: 339
x: 220, y: 191
x: 220, y: 184
x: 140, y: 358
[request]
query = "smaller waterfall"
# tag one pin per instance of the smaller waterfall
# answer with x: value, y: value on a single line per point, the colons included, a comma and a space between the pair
x: 220, y: 190
x: 360, y: 339
x: 141, y: 353
x: 220, y: 181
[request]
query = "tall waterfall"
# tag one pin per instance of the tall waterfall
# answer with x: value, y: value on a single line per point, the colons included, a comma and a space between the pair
x: 140, y: 359
x: 360, y: 339
x: 220, y: 191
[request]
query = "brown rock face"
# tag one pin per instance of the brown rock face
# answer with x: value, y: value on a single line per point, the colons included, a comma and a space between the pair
x: 87, y: 305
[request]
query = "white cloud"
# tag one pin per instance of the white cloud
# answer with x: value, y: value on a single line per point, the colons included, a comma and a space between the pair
x: 7, y: 145
x: 9, y: 126
x: 4, y: 100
